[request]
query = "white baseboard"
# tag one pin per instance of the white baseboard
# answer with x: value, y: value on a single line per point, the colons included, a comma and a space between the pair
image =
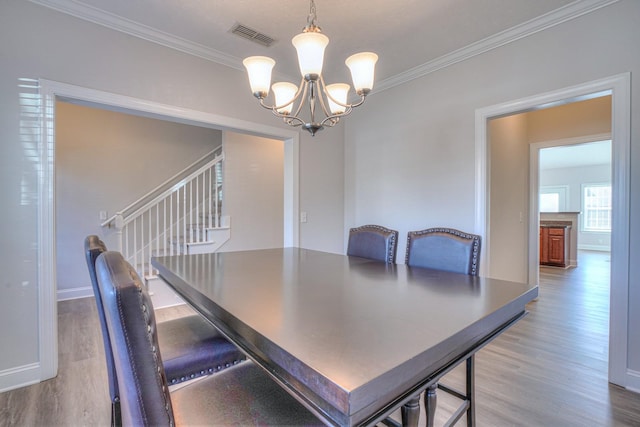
x: 21, y: 376
x: 601, y: 248
x: 74, y: 293
x: 633, y: 378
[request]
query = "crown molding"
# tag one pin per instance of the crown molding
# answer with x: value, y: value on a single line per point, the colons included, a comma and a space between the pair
x: 127, y: 26
x: 118, y: 23
x: 548, y: 20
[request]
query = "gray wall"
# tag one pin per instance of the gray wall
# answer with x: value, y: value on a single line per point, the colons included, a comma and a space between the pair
x: 417, y: 169
x: 253, y: 192
x: 38, y: 42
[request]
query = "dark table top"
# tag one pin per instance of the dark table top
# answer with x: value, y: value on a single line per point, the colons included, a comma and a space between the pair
x: 345, y: 335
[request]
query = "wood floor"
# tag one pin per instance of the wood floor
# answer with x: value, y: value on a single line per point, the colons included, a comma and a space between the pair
x: 550, y: 369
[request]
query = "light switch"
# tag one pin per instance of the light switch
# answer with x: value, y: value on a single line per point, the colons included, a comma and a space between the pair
x: 103, y: 215
x: 303, y: 216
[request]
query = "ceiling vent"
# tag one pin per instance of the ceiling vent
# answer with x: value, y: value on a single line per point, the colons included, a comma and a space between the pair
x: 253, y: 35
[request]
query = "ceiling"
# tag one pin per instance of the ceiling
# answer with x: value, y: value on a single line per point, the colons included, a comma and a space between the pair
x: 568, y: 156
x: 411, y: 37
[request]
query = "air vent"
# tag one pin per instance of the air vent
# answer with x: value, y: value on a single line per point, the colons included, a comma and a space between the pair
x: 253, y: 35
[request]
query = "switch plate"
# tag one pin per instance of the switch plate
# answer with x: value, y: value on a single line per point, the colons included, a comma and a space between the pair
x: 303, y: 216
x: 103, y: 215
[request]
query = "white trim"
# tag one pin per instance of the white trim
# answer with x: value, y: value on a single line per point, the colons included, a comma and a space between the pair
x: 136, y: 29
x: 74, y: 293
x: 20, y: 376
x: 548, y: 20
x: 118, y: 23
x: 634, y: 380
x: 599, y: 248
x: 619, y: 87
x: 49, y: 91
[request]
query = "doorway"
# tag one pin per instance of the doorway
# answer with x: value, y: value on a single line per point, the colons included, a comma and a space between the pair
x: 619, y: 88
x: 51, y: 92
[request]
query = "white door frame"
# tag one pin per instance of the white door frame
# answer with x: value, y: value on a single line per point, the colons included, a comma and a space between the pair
x: 619, y: 86
x: 50, y: 91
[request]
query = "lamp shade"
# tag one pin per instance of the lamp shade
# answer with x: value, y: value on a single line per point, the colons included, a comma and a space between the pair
x: 362, y: 66
x: 339, y: 92
x: 284, y: 92
x: 259, y: 71
x: 310, y: 47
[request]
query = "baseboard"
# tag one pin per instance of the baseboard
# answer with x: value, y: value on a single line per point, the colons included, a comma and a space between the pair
x: 21, y: 376
x: 600, y: 248
x: 74, y: 293
x: 633, y: 378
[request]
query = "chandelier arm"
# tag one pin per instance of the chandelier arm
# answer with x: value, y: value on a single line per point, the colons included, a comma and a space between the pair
x: 322, y: 103
x: 304, y: 88
x: 335, y: 118
x: 356, y: 104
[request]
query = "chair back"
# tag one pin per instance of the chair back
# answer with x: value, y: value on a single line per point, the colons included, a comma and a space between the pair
x: 93, y: 247
x: 144, y: 394
x: 445, y: 249
x: 373, y: 242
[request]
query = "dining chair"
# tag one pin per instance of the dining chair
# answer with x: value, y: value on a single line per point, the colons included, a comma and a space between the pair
x: 373, y: 242
x: 447, y: 249
x: 243, y: 394
x: 192, y: 347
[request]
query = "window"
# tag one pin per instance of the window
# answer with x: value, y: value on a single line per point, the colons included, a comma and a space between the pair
x: 596, y: 203
x: 553, y: 198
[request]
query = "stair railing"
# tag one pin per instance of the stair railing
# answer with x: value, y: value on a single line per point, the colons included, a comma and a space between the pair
x: 167, y: 219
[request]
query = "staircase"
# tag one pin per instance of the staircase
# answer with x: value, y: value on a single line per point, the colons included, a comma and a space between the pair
x: 183, y: 215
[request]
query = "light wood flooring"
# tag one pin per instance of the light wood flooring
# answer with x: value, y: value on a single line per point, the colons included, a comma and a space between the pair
x: 550, y: 369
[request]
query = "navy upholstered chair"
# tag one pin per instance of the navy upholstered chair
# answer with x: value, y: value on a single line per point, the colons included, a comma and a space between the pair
x: 373, y: 242
x: 191, y: 346
x: 444, y: 249
x: 451, y: 250
x: 240, y: 395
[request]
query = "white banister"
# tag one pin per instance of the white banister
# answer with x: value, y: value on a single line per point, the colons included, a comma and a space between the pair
x: 167, y: 221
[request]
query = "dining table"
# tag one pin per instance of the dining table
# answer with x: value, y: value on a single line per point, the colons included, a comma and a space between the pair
x: 352, y: 339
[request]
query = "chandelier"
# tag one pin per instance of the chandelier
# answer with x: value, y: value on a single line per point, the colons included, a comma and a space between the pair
x: 290, y: 99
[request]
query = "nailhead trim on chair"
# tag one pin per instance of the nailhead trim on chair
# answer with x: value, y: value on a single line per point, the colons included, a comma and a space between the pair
x: 211, y: 370
x: 165, y: 389
x: 394, y: 236
x: 462, y: 234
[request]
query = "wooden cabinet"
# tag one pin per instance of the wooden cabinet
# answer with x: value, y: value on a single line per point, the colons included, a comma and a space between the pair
x: 554, y: 245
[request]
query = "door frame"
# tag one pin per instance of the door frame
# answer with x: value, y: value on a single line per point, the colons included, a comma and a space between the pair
x: 51, y: 91
x: 619, y: 87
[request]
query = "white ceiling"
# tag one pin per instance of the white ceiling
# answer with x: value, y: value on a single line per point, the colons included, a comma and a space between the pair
x: 411, y: 37
x: 568, y: 156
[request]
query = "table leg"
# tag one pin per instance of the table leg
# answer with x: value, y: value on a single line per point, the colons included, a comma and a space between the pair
x: 411, y: 412
x: 430, y: 402
x: 471, y: 391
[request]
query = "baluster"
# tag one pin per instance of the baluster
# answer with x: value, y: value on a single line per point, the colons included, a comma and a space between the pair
x: 171, y: 206
x: 164, y: 227
x: 184, y: 220
x: 210, y: 194
x: 197, y: 230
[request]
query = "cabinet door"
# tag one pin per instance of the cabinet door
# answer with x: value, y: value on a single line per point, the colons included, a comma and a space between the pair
x: 556, y: 249
x: 544, y: 245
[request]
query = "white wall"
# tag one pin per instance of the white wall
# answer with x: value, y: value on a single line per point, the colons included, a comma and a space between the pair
x: 253, y: 192
x: 409, y: 159
x: 574, y: 178
x: 40, y: 43
x: 105, y: 161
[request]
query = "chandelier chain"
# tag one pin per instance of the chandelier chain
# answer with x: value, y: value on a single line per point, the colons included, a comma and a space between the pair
x: 312, y: 18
